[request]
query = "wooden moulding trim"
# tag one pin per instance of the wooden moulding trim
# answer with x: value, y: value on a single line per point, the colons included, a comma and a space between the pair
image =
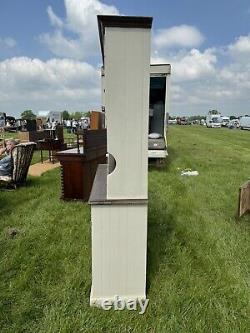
x: 159, y: 65
x: 120, y: 202
x: 125, y: 21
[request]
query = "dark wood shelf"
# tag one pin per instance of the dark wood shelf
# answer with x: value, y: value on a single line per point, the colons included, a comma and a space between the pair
x: 98, y: 194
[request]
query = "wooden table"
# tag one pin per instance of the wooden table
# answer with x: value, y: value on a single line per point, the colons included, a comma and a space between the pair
x: 52, y: 146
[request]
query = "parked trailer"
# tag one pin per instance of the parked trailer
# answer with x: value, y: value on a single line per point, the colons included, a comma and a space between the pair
x: 213, y: 119
x: 10, y: 124
x: 158, y: 110
x: 245, y: 122
x: 225, y: 121
x: 51, y: 116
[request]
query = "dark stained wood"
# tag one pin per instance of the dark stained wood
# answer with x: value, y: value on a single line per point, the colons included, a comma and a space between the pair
x: 96, y: 120
x: 32, y: 136
x: 78, y: 167
x: 244, y: 199
x: 52, y: 146
x: 98, y: 194
x: 94, y: 140
x: 59, y: 133
x: 99, y: 189
x: 52, y: 141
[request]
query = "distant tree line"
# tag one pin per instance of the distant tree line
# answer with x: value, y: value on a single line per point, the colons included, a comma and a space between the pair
x: 193, y: 118
x: 28, y: 114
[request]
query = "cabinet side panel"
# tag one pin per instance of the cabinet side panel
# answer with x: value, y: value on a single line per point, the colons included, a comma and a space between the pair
x: 119, y: 248
x: 127, y: 71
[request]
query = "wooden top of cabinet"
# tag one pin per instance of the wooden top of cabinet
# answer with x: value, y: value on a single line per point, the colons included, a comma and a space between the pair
x: 98, y: 194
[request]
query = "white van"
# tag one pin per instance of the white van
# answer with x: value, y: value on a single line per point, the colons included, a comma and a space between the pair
x: 245, y: 122
x: 213, y: 119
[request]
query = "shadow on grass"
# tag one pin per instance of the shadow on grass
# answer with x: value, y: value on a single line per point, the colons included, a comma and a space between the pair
x: 33, y: 190
x: 14, y: 198
x: 160, y: 218
x: 3, y: 199
x: 160, y: 228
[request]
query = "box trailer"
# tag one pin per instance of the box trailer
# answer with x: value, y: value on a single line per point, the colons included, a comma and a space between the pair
x: 158, y: 110
x: 245, y: 122
x: 50, y: 116
x: 213, y: 119
x: 225, y: 121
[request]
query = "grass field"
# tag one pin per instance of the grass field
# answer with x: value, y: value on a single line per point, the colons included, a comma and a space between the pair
x: 198, y: 257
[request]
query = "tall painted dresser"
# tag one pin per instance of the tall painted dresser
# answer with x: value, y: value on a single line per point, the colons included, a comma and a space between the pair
x: 119, y: 196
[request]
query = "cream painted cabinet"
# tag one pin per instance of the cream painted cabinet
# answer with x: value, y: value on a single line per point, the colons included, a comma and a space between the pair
x: 120, y: 191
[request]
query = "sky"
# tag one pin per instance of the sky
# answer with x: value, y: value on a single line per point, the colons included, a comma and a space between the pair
x: 50, y: 55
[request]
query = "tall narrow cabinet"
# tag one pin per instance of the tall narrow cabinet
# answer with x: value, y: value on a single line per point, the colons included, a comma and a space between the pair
x: 120, y: 191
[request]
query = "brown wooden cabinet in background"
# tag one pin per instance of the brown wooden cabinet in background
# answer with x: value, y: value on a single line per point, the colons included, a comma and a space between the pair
x: 96, y: 120
x: 78, y: 166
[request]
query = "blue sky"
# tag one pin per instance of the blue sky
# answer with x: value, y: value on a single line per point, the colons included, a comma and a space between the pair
x: 50, y: 54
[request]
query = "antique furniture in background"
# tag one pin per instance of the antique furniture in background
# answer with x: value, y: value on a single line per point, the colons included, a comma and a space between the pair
x: 52, y: 142
x: 97, y: 120
x: 244, y: 199
x: 78, y: 165
x: 21, y: 159
x: 32, y: 136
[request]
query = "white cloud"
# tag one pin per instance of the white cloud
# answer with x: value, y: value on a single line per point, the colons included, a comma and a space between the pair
x: 80, y: 20
x: 62, y: 46
x: 200, y: 82
x: 194, y: 65
x: 190, y: 65
x: 184, y: 36
x: 176, y: 92
x: 53, y: 84
x: 81, y: 15
x: 7, y: 42
x: 54, y: 19
x: 226, y: 90
x: 240, y: 49
x: 199, y: 79
x: 237, y: 75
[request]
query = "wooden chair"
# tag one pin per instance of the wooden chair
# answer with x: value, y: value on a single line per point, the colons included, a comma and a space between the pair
x: 244, y: 199
x: 21, y: 159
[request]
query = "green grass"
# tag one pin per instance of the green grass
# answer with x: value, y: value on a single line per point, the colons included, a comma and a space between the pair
x: 198, y: 276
